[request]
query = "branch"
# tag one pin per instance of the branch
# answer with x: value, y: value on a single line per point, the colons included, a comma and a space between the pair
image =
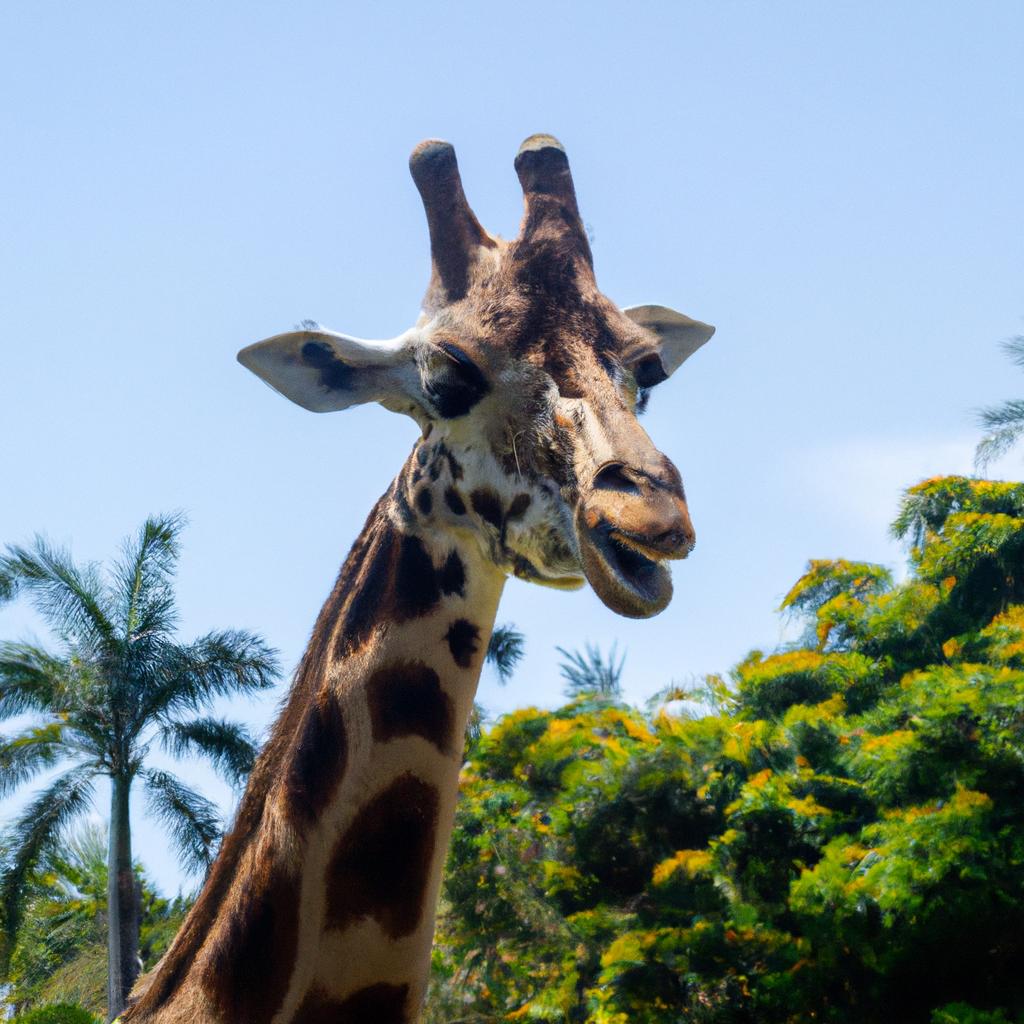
x: 217, y: 665
x: 143, y: 576
x: 191, y: 819
x: 230, y: 746
x: 70, y: 598
x: 30, y: 679
x: 24, y: 756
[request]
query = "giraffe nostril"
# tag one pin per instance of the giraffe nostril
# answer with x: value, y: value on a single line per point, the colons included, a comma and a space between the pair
x: 671, y: 540
x: 614, y: 477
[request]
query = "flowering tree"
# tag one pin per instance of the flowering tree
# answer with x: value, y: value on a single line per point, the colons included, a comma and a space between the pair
x: 841, y: 838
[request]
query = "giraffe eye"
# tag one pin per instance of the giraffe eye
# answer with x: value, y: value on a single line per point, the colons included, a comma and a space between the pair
x: 646, y: 373
x: 649, y: 371
x: 453, y: 382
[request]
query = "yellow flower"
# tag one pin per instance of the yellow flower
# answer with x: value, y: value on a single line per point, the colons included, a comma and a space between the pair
x: 896, y: 738
x: 690, y: 861
x: 560, y: 727
x: 968, y: 799
x: 807, y: 807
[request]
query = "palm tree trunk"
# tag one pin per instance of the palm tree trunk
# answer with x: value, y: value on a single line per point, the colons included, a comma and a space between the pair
x: 123, y: 922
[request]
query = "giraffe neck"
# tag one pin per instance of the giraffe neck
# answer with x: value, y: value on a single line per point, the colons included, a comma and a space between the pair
x: 321, y: 904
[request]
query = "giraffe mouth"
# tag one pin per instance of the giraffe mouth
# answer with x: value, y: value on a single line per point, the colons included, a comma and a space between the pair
x: 626, y: 575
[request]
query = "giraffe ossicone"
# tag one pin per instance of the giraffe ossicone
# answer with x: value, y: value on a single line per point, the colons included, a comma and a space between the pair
x: 523, y: 378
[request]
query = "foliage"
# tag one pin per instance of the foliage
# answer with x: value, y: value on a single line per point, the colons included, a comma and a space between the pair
x: 118, y: 682
x: 840, y: 837
x: 505, y: 650
x: 591, y: 674
x: 61, y: 949
x: 1004, y: 423
x: 56, y: 1013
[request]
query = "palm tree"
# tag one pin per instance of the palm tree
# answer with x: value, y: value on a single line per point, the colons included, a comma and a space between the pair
x: 505, y: 650
x: 1004, y: 423
x: 118, y: 683
x: 590, y: 675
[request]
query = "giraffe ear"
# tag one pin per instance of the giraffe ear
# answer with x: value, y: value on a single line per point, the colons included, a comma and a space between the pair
x: 323, y: 371
x: 678, y: 338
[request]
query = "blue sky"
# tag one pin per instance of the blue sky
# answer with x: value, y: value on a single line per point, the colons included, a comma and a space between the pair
x: 835, y: 186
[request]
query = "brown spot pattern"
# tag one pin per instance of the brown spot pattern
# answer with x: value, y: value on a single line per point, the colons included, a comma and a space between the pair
x: 417, y: 590
x: 454, y: 466
x: 520, y: 503
x: 453, y: 575
x: 487, y: 505
x: 463, y: 641
x: 381, y: 865
x: 363, y: 585
x: 454, y: 501
x: 389, y: 576
x: 318, y: 757
x: 252, y: 955
x: 376, y: 1004
x: 406, y: 699
x: 334, y: 374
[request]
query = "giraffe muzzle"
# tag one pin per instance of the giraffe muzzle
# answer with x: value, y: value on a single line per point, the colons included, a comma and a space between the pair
x: 628, y: 524
x: 625, y: 578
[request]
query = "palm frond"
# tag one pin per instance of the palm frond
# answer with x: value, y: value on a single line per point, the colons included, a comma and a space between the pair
x: 144, y: 574
x: 230, y: 746
x: 24, y: 756
x: 1004, y: 423
x: 590, y: 674
x: 996, y: 444
x: 78, y: 864
x: 31, y: 834
x: 190, y: 818
x: 999, y: 417
x: 216, y: 665
x: 31, y: 679
x: 505, y: 650
x: 1014, y: 348
x: 71, y: 598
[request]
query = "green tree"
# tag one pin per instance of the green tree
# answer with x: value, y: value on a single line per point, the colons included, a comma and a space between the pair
x: 57, y: 1013
x: 60, y: 952
x: 118, y: 682
x: 1003, y: 423
x: 840, y: 837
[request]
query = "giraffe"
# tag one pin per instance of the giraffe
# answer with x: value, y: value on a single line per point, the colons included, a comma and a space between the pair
x: 523, y: 378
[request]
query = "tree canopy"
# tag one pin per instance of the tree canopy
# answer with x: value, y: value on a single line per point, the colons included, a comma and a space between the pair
x: 841, y: 838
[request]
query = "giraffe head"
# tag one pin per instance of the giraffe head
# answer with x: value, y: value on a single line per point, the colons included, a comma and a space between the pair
x: 524, y: 379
